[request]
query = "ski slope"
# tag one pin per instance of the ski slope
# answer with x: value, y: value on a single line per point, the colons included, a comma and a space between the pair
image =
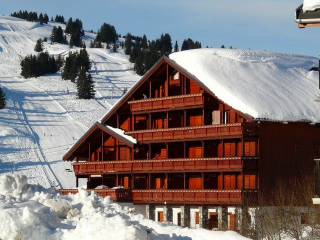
x: 43, y: 117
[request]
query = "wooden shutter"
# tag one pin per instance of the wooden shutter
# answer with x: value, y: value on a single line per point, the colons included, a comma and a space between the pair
x: 126, y: 182
x: 233, y: 116
x: 227, y: 149
x: 249, y: 181
x: 195, y: 183
x: 197, y: 219
x: 232, y: 221
x: 124, y: 153
x: 160, y: 216
x: 159, y: 183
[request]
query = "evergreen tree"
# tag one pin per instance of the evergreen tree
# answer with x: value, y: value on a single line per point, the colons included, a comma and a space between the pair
x: 85, y: 85
x: 45, y: 18
x: 98, y: 45
x: 107, y: 33
x: 29, y: 66
x: 144, y: 42
x: 176, y: 47
x: 57, y: 35
x: 223, y: 46
x: 91, y: 44
x: 45, y: 39
x: 41, y: 19
x: 2, y: 98
x: 83, y: 60
x: 39, y: 46
x: 190, y: 44
x: 128, y: 43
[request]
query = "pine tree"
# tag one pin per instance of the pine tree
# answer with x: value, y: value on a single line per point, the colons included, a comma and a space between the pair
x: 39, y: 46
x: 57, y: 35
x: 45, y: 18
x: 176, y: 47
x: 41, y: 19
x: 2, y: 98
x: 127, y: 44
x: 222, y: 46
x: 85, y: 85
x: 29, y: 66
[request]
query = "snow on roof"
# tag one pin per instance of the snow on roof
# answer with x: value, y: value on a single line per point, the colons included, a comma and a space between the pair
x: 122, y: 134
x: 310, y: 5
x: 263, y: 85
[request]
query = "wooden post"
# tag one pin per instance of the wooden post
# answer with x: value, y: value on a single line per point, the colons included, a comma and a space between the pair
x: 184, y: 118
x: 184, y: 150
x: 117, y: 180
x: 89, y: 152
x: 102, y: 148
x: 150, y: 121
x: 167, y: 182
x: 167, y: 119
x: 222, y: 142
x: 132, y: 123
x: 203, y: 116
x: 116, y: 148
x: 167, y: 149
x: 202, y: 144
x: 242, y: 140
x: 167, y: 81
x: 132, y: 181
x: 149, y: 153
x: 222, y: 180
x: 184, y: 180
x: 150, y: 89
x: 242, y: 180
x: 203, y: 176
x: 77, y: 182
x: 149, y: 181
x: 118, y: 121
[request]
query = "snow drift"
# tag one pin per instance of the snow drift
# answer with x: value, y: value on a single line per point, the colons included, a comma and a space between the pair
x: 33, y: 212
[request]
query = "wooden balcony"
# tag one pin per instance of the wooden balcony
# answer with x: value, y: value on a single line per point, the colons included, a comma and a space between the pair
x: 181, y: 101
x: 196, y: 164
x: 188, y: 196
x: 171, y: 196
x: 117, y: 195
x: 207, y: 131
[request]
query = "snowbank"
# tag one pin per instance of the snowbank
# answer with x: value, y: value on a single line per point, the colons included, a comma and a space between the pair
x: 263, y: 85
x: 310, y: 5
x: 32, y: 212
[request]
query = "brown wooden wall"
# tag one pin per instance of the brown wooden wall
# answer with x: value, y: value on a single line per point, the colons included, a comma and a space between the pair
x: 286, y: 152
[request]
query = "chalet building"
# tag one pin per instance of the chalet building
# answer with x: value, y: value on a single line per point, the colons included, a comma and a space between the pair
x: 190, y: 151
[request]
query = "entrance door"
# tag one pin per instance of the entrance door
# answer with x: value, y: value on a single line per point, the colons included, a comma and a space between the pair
x: 160, y: 216
x: 213, y: 221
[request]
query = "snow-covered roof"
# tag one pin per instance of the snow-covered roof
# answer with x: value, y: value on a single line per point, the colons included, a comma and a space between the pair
x: 263, y: 85
x: 311, y: 5
x: 121, y: 133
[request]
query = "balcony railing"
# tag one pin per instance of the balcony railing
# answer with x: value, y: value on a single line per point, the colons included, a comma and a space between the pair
x: 166, y: 102
x: 118, y: 195
x: 171, y: 196
x: 229, y: 163
x: 217, y: 130
x: 191, y: 196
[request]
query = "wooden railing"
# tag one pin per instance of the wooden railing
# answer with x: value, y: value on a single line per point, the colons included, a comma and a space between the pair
x: 166, y: 102
x: 217, y: 130
x: 203, y: 196
x: 118, y: 195
x: 170, y: 196
x: 183, y: 164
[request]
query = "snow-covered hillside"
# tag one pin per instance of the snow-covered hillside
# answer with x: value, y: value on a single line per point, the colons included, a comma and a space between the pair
x: 43, y: 117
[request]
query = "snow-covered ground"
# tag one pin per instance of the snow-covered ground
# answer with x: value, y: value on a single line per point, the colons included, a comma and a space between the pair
x: 33, y: 212
x: 43, y: 117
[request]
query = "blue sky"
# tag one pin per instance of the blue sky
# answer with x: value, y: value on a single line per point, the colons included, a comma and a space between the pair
x: 255, y: 24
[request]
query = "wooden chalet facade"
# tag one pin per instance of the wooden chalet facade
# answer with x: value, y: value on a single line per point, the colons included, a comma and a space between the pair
x: 191, y: 150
